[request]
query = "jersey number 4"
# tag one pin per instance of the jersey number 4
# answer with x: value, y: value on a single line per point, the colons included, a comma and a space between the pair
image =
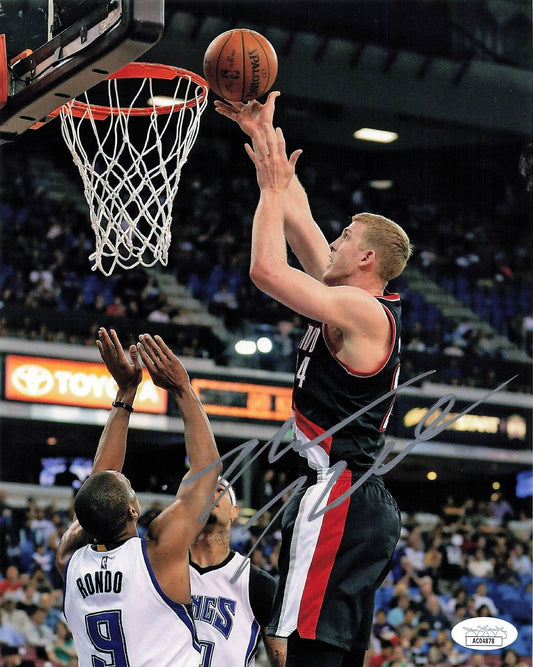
x: 302, y: 370
x: 106, y: 633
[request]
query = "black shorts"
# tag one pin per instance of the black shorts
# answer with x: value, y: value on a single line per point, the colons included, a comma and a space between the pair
x: 331, y: 566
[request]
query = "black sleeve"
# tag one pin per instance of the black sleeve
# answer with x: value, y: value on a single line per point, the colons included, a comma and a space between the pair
x: 261, y: 591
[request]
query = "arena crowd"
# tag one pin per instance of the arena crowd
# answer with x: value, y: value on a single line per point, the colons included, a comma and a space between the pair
x: 47, y: 241
x: 470, y: 560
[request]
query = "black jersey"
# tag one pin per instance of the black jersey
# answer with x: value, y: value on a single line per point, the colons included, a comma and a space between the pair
x: 326, y: 391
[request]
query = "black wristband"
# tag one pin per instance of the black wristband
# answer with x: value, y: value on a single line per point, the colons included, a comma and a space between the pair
x: 121, y: 404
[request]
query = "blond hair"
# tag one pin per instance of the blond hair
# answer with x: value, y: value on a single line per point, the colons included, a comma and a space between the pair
x: 389, y: 241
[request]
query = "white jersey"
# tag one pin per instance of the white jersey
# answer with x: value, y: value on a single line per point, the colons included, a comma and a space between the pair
x: 227, y: 629
x: 118, y: 614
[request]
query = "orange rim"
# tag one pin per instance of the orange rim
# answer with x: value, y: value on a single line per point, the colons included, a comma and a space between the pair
x: 140, y: 71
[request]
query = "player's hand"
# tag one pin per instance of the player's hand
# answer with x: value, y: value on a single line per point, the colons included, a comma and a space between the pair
x: 251, y: 116
x: 165, y: 369
x: 126, y: 374
x: 274, y: 169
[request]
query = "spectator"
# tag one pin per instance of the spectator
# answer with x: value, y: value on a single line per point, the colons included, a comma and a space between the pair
x: 450, y: 511
x: 458, y: 597
x: 499, y: 508
x: 382, y: 627
x: 150, y: 291
x: 483, y: 611
x: 41, y: 526
x: 459, y: 614
x: 161, y: 310
x: 116, y: 308
x: 410, y: 620
x: 224, y: 302
x: 54, y: 612
x: 39, y: 634
x: 43, y: 558
x: 480, y: 598
x: 28, y: 597
x: 414, y: 551
x: 396, y: 615
x: 419, y: 648
x: 519, y: 561
x: 41, y: 580
x: 425, y: 585
x: 469, y: 510
x: 403, y: 571
x: 133, y: 308
x: 62, y: 650
x: 284, y: 347
x: 478, y: 660
x: 452, y: 556
x: 10, y: 641
x: 99, y: 304
x: 433, y: 566
x: 479, y: 565
x: 265, y: 488
x: 451, y: 654
x: 384, y: 653
x: 11, y: 582
x: 397, y: 658
x: 462, y: 332
x: 432, y: 617
x: 4, y: 505
x: 41, y: 275
x: 416, y: 344
x: 10, y: 615
x: 503, y: 571
x: 509, y: 658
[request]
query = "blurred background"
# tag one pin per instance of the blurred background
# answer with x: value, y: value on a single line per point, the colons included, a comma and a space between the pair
x: 453, y: 80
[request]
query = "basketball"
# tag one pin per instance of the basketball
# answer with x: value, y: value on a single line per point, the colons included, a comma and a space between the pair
x: 240, y: 65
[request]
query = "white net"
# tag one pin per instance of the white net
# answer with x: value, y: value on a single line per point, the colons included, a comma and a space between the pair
x: 131, y: 161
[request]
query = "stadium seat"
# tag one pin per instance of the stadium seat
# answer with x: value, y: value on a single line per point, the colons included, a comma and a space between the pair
x: 470, y: 582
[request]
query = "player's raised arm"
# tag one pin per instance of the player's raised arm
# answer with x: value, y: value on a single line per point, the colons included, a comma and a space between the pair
x: 172, y: 532
x: 112, y: 444
x: 128, y: 375
x: 269, y: 268
x: 301, y: 231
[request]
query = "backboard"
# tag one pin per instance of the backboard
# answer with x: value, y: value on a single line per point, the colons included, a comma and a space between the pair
x: 53, y: 50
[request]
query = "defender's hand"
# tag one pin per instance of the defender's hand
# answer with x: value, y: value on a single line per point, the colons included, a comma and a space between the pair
x: 165, y: 369
x: 126, y: 374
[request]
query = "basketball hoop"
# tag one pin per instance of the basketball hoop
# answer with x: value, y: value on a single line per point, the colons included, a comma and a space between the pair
x: 131, y: 168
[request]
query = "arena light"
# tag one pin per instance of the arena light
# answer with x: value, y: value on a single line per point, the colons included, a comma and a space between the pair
x: 381, y: 184
x: 379, y: 136
x: 245, y: 347
x: 164, y: 101
x: 264, y: 345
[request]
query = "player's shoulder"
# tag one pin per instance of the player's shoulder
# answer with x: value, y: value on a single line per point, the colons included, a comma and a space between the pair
x: 261, y: 591
x: 262, y: 578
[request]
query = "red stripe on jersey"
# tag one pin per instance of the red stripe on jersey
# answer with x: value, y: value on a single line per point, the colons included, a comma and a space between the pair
x: 312, y: 431
x: 328, y: 543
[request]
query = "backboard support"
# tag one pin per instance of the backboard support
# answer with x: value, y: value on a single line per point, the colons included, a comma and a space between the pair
x: 99, y: 40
